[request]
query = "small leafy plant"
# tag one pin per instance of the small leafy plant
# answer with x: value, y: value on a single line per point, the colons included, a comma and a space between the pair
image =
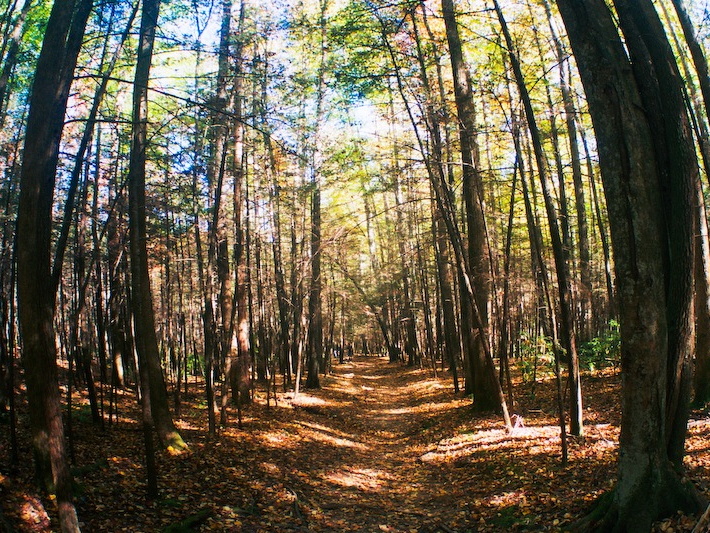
x: 603, y: 351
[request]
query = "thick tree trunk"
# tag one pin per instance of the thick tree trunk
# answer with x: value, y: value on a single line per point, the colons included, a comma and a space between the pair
x: 315, y: 304
x: 219, y: 165
x: 648, y: 167
x: 48, y: 100
x: 483, y: 382
x: 444, y: 204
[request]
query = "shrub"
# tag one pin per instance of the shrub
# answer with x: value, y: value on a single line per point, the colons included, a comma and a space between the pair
x: 603, y: 351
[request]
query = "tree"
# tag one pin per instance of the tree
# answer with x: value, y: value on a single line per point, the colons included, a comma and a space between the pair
x: 315, y: 304
x: 561, y: 265
x: 648, y: 165
x: 483, y: 382
x: 155, y: 401
x: 45, y: 122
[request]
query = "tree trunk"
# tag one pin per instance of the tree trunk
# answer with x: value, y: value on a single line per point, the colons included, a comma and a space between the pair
x: 141, y: 296
x: 701, y: 383
x: 567, y: 332
x: 48, y: 100
x: 315, y: 313
x: 315, y: 304
x: 585, y: 274
x: 483, y: 382
x: 648, y: 166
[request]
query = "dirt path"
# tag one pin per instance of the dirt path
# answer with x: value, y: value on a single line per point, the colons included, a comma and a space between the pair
x: 371, y: 477
x: 381, y: 447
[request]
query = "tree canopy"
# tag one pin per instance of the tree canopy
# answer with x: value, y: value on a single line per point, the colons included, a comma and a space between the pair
x: 244, y: 195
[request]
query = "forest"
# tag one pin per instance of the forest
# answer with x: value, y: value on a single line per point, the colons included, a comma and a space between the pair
x: 426, y: 266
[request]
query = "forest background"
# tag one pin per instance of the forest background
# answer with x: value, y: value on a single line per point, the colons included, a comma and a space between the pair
x: 252, y: 193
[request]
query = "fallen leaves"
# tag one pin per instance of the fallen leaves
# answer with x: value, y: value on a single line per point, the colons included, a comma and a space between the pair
x: 380, y: 448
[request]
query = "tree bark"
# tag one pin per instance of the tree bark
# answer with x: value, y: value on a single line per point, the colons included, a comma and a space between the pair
x: 567, y: 332
x: 141, y: 296
x: 45, y: 122
x: 701, y: 378
x: 483, y: 382
x: 315, y: 304
x: 444, y: 203
x: 648, y: 167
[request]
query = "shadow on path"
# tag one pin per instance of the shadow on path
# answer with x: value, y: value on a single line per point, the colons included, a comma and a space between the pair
x: 360, y: 445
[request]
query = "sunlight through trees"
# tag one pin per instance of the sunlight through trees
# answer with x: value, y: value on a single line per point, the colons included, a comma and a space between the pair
x: 215, y: 205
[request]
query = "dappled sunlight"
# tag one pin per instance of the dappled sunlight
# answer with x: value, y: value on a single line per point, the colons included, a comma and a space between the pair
x: 386, y: 448
x: 504, y: 499
x: 279, y: 439
x: 184, y: 424
x: 303, y: 400
x: 306, y: 401
x: 698, y: 446
x: 320, y: 433
x: 364, y: 479
x: 270, y: 468
x: 423, y: 408
x: 33, y: 514
x: 538, y: 439
x: 373, y: 378
x: 398, y: 411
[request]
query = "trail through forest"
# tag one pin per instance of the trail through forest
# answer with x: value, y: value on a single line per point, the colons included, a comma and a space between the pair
x: 381, y: 447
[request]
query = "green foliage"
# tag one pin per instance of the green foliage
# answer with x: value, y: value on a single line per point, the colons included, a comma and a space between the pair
x: 602, y: 351
x: 536, y: 354
x: 361, y: 65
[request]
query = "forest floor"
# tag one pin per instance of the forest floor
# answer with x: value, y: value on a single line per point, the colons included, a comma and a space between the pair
x: 380, y: 448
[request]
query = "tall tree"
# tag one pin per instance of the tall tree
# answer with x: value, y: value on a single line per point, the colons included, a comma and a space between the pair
x: 155, y: 399
x: 45, y: 122
x: 315, y: 304
x: 241, y: 330
x: 648, y: 164
x: 483, y: 382
x: 561, y: 265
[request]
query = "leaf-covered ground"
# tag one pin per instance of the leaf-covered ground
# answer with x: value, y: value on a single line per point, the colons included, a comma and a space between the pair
x: 380, y: 447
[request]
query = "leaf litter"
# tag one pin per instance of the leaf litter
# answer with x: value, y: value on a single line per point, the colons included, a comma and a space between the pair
x: 380, y: 447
